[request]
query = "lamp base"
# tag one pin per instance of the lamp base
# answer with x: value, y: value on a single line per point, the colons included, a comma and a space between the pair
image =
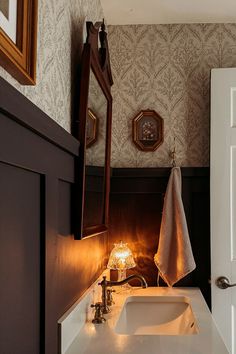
x: 122, y: 276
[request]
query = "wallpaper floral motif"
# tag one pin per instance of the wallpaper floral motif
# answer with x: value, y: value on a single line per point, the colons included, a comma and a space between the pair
x: 166, y: 68
x: 61, y: 33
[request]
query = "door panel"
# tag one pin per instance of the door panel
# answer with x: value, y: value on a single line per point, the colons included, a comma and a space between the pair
x: 223, y: 200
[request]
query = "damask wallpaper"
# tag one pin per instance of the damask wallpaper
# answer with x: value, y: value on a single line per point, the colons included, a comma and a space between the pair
x: 166, y: 68
x: 61, y: 33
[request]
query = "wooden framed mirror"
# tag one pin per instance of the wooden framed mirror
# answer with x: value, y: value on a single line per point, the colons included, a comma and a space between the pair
x: 93, y: 130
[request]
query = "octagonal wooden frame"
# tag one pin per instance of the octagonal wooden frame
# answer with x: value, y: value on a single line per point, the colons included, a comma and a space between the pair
x: 148, y: 128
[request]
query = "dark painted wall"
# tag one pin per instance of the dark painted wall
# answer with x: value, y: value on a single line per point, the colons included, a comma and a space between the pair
x: 43, y: 270
x: 136, y: 203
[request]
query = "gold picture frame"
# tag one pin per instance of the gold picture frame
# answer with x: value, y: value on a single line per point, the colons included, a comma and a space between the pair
x: 19, y: 57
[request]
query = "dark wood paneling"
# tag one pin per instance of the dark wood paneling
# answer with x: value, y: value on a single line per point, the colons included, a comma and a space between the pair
x: 64, y: 203
x: 136, y: 203
x: 70, y: 268
x: 19, y: 260
x: 44, y: 155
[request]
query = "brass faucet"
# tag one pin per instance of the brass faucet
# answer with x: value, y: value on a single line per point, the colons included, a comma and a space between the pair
x: 110, y: 300
x: 105, y: 283
x: 98, y: 313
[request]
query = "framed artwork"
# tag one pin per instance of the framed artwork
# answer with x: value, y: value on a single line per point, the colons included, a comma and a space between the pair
x: 18, y: 39
x: 91, y: 128
x: 147, y: 130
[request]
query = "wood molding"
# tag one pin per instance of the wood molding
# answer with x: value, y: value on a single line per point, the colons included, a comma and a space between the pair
x: 19, y: 108
x: 151, y: 180
x: 20, y: 59
x: 150, y: 172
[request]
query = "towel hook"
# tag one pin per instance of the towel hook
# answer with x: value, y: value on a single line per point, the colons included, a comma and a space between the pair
x: 173, y: 154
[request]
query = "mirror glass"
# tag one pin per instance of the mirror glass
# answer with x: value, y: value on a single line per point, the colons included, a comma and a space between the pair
x: 95, y: 155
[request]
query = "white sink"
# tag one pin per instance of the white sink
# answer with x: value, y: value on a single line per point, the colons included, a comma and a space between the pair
x: 156, y: 315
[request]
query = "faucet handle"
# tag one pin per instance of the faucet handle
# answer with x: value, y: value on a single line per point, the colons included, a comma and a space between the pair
x: 103, y: 281
x: 110, y: 300
x: 98, y: 318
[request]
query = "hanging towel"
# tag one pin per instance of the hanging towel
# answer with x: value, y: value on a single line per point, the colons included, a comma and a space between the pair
x: 174, y: 257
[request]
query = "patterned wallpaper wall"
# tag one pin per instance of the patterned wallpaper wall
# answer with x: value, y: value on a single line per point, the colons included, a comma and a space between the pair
x: 61, y: 33
x: 166, y: 68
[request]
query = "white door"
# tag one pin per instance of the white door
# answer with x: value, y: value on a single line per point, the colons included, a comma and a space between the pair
x: 223, y: 201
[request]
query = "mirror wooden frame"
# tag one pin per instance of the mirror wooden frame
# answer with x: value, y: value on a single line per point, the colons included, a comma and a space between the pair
x: 95, y: 57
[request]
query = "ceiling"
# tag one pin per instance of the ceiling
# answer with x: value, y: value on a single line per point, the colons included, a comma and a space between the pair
x: 128, y: 12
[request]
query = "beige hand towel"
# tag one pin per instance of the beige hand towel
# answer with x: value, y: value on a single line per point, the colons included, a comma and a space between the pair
x: 174, y: 258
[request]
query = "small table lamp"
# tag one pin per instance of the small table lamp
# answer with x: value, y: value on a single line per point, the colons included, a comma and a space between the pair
x: 121, y: 258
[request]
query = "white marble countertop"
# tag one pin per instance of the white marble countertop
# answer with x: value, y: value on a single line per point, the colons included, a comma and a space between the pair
x: 102, y: 339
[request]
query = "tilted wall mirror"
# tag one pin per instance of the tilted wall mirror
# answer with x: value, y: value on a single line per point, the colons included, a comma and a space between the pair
x: 94, y: 134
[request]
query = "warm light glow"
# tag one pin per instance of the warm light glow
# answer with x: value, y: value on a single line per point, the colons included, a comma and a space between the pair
x: 121, y: 257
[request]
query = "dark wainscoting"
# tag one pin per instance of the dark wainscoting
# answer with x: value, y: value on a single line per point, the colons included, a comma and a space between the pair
x: 136, y: 202
x: 43, y: 270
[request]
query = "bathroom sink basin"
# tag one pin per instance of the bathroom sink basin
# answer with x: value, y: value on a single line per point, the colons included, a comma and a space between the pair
x: 156, y: 315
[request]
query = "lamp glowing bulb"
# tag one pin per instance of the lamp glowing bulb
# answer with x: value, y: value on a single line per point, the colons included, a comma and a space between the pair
x: 121, y: 258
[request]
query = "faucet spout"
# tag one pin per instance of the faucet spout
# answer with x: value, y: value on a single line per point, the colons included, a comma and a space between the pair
x: 126, y: 280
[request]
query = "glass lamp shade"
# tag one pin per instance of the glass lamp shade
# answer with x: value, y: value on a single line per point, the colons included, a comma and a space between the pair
x: 121, y: 258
